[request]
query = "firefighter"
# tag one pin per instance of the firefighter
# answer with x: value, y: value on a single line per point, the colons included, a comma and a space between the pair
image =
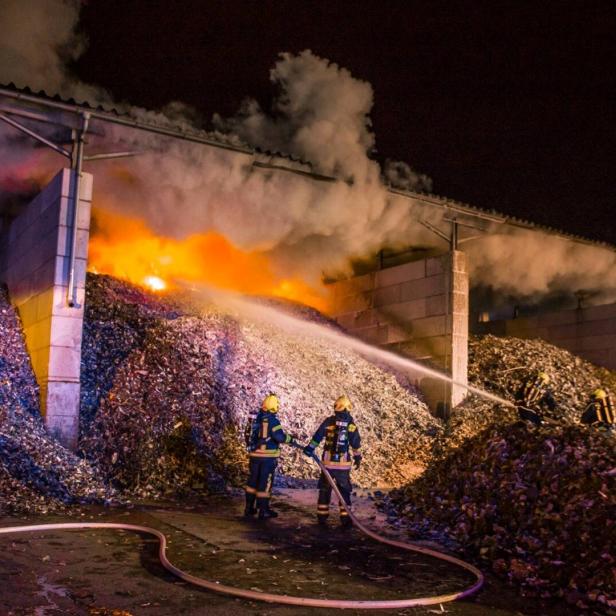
x: 264, y: 435
x: 341, y: 434
x: 600, y: 410
x: 533, y: 396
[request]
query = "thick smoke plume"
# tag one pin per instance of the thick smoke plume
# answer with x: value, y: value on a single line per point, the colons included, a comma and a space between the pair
x: 303, y: 226
x: 528, y: 263
x: 39, y: 39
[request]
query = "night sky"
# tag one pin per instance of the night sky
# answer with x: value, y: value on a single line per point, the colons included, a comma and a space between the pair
x: 506, y: 105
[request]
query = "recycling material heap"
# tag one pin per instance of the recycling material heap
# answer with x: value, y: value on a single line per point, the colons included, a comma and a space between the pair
x: 167, y: 388
x: 168, y: 384
x: 535, y: 505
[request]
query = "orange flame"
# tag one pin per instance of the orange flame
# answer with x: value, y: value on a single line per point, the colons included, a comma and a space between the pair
x: 127, y: 248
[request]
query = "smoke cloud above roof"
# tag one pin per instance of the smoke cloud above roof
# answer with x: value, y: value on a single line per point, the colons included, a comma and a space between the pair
x: 320, y: 115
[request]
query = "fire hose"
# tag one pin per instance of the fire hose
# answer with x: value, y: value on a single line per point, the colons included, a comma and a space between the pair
x: 283, y: 599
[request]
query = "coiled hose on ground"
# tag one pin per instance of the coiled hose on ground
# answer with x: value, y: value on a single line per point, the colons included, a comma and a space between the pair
x: 284, y: 599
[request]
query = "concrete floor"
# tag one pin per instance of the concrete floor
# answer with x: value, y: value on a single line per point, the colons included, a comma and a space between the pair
x: 101, y: 573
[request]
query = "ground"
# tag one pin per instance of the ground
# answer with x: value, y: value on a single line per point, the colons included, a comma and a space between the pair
x: 97, y: 572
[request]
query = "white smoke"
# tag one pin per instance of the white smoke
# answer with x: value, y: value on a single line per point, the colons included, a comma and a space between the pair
x: 307, y: 227
x: 320, y: 115
x: 529, y: 263
x: 39, y: 38
x: 400, y: 175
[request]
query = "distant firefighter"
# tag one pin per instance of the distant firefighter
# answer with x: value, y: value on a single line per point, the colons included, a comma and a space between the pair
x: 341, y: 434
x: 263, y: 435
x: 533, y: 397
x: 600, y: 410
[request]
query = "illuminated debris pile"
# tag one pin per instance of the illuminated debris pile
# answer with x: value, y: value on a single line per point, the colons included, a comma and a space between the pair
x: 397, y: 429
x: 117, y: 317
x: 37, y: 474
x: 172, y: 409
x: 300, y: 311
x: 19, y: 390
x: 537, y: 506
x: 501, y: 365
x: 157, y: 431
x: 535, y: 503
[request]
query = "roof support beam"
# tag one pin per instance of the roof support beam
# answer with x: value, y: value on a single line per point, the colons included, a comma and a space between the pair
x: 35, y: 135
x: 435, y: 230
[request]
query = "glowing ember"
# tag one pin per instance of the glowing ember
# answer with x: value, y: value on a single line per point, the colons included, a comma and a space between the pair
x: 127, y: 248
x: 155, y: 283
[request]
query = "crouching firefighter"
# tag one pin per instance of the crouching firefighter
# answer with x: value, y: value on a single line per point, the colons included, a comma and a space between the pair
x: 264, y: 435
x: 600, y: 411
x: 533, y: 396
x: 341, y: 435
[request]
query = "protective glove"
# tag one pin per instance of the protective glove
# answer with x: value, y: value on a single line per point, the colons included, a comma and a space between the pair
x: 356, y: 461
x: 308, y: 451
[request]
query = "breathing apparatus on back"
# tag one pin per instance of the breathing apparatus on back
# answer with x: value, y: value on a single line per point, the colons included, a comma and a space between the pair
x: 252, y: 432
x: 341, y: 433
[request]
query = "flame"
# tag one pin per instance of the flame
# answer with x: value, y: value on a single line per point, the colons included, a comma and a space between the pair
x: 155, y: 283
x: 127, y: 248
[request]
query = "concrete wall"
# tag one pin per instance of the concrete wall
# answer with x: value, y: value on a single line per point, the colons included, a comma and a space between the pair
x: 587, y: 332
x: 419, y: 309
x: 34, y: 264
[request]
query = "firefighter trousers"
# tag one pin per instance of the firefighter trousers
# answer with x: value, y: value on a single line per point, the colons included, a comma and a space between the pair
x: 529, y: 415
x: 260, y: 479
x: 342, y: 477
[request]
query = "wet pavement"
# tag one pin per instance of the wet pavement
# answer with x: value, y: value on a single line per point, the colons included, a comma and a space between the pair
x: 96, y: 572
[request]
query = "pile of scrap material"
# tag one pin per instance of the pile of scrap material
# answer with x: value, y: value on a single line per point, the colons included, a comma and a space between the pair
x: 535, y: 505
x: 37, y: 474
x: 167, y: 393
x: 117, y: 318
x: 501, y: 365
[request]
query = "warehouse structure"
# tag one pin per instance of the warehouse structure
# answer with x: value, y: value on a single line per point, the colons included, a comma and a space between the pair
x: 415, y: 302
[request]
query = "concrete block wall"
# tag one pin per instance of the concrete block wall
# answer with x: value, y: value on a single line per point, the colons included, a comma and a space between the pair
x: 418, y: 308
x: 587, y: 332
x: 34, y: 264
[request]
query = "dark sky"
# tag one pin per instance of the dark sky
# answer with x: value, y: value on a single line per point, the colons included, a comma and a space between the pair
x: 506, y: 105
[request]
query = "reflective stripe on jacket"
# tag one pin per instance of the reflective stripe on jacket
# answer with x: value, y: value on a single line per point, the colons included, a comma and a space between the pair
x: 533, y: 395
x: 341, y: 435
x: 599, y: 411
x: 270, y: 436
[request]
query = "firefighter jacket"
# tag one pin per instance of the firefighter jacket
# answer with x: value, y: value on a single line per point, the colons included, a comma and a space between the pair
x: 266, y: 436
x: 534, y: 395
x: 341, y: 435
x: 599, y: 411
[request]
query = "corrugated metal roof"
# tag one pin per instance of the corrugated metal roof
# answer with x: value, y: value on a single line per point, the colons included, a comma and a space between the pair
x: 302, y: 167
x: 499, y: 217
x: 57, y: 98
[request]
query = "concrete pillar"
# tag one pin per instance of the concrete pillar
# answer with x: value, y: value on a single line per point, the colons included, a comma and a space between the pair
x: 458, y: 326
x: 34, y: 264
x: 419, y: 309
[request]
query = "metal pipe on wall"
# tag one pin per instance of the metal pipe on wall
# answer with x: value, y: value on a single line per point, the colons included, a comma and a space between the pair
x: 76, y: 165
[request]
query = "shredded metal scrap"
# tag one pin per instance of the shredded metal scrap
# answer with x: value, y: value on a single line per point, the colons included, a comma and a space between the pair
x: 536, y: 503
x: 37, y: 474
x: 173, y: 400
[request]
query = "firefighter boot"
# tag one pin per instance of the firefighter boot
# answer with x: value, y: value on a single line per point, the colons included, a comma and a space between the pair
x: 345, y: 519
x: 250, y: 505
x: 267, y: 513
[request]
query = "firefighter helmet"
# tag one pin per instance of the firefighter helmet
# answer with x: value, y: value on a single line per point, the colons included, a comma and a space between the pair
x: 342, y: 403
x: 599, y: 394
x: 270, y: 403
x: 543, y: 377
